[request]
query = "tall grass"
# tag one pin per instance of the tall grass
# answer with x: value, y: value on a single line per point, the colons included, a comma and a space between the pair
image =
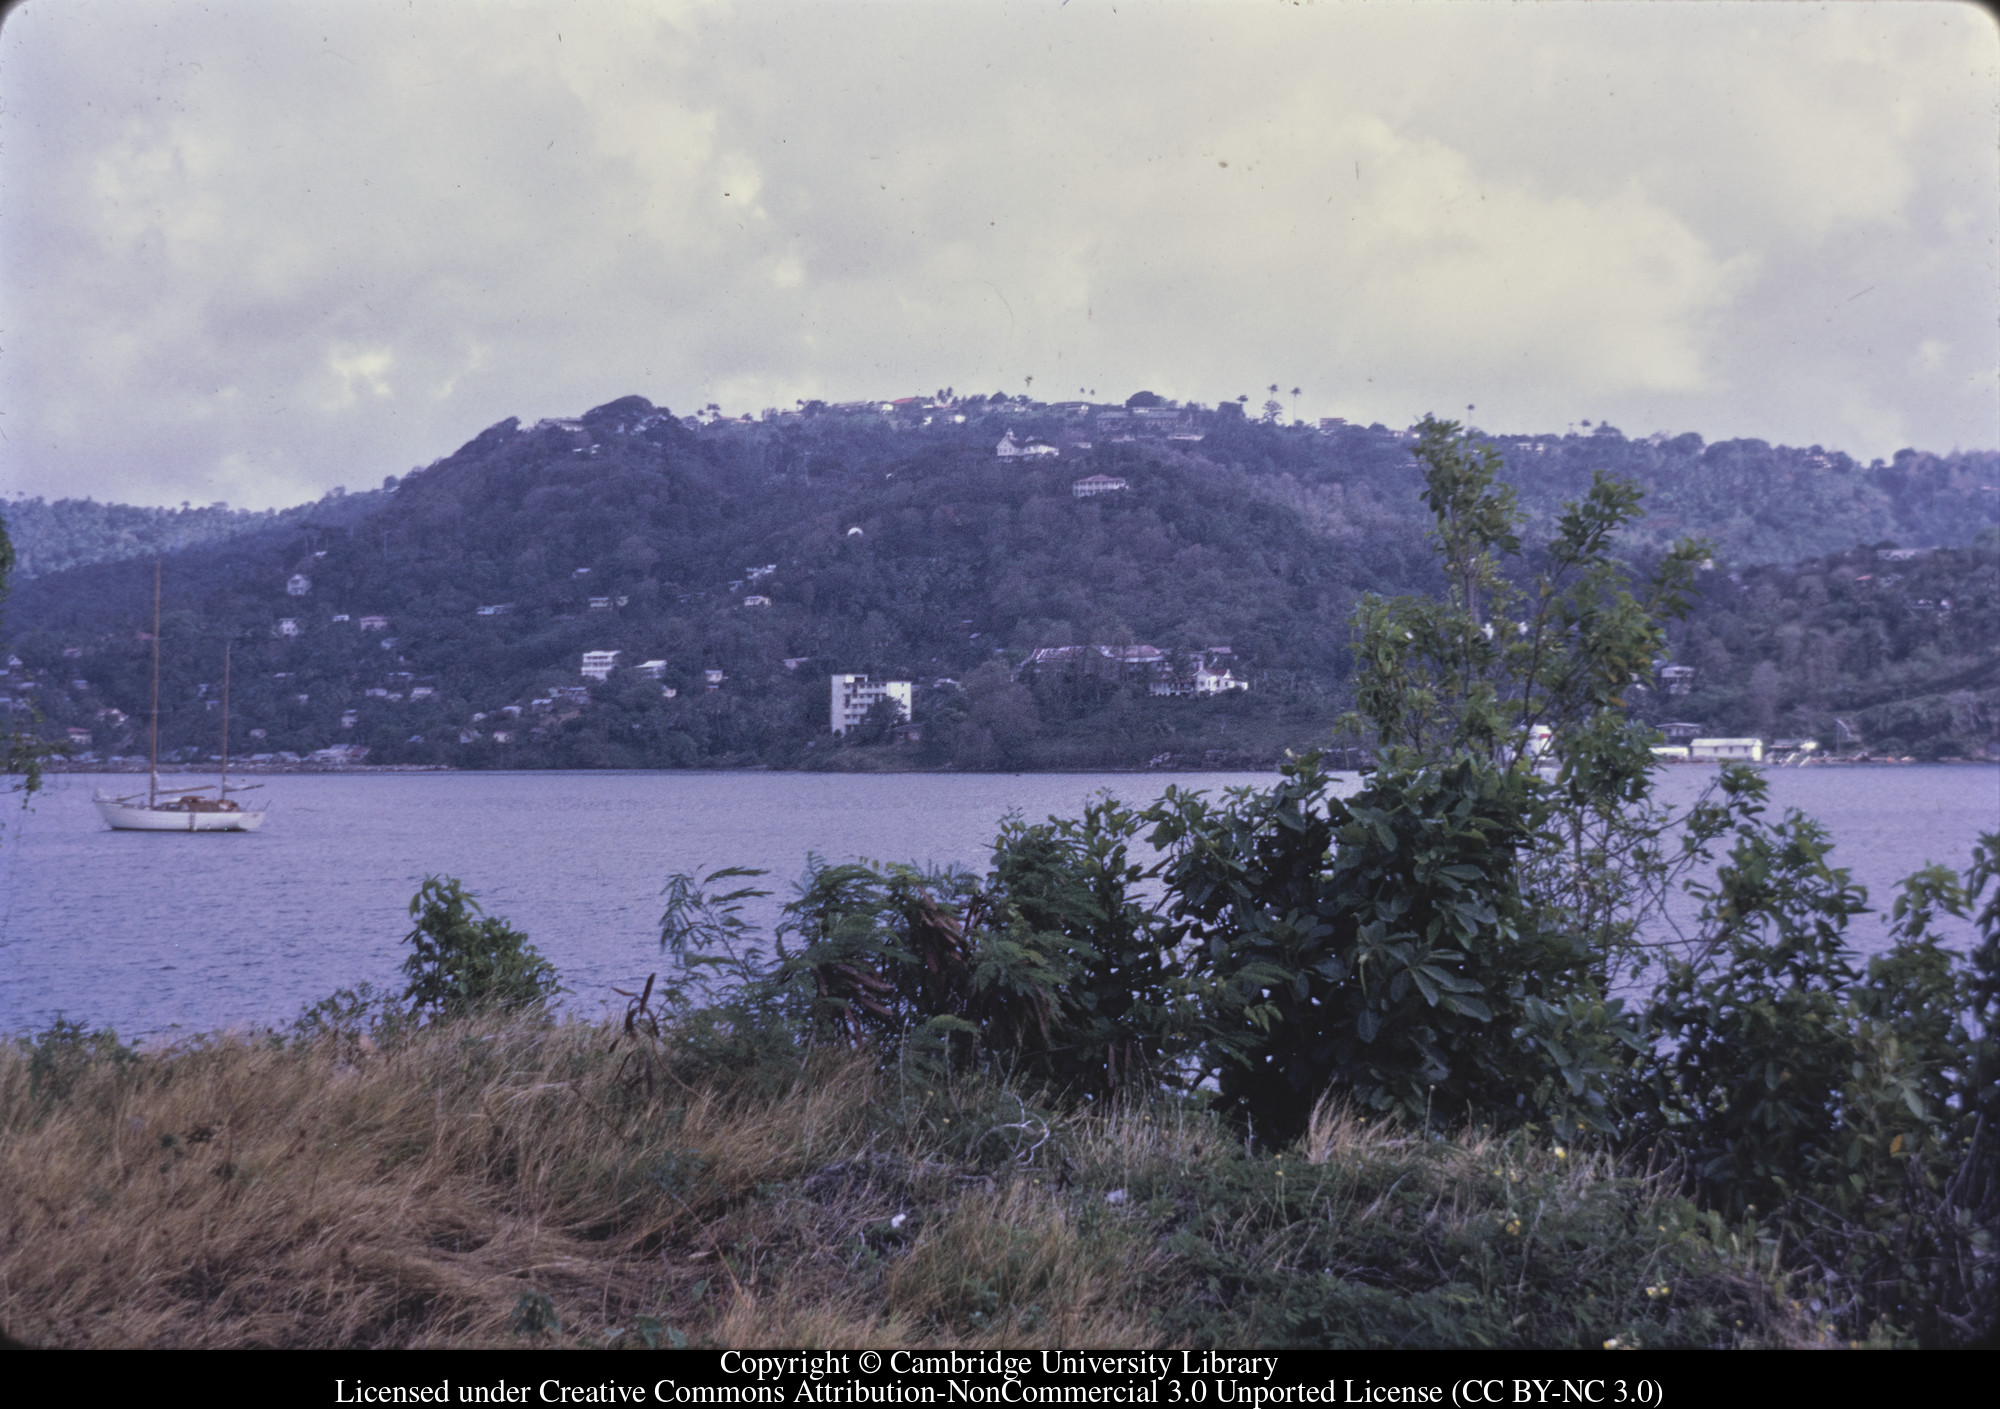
x: 504, y: 1181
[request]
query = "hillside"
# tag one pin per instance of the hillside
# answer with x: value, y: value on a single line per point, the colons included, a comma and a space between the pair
x: 1896, y: 651
x: 895, y: 543
x: 67, y: 533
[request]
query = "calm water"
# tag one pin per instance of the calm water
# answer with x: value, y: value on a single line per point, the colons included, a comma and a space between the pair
x: 159, y: 933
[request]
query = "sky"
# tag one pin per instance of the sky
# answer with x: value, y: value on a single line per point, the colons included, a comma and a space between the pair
x: 252, y: 251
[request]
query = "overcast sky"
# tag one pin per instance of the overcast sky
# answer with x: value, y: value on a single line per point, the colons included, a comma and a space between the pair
x: 251, y: 251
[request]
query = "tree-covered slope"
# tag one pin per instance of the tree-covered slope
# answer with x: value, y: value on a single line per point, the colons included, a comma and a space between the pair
x: 66, y: 533
x: 1892, y: 651
x: 628, y: 532
x: 890, y: 543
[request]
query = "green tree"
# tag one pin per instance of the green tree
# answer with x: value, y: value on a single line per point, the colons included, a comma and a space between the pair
x: 465, y: 964
x: 1444, y: 941
x: 877, y: 724
x: 1534, y: 672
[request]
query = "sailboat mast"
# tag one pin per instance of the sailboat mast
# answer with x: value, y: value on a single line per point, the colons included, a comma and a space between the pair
x: 153, y: 734
x: 222, y: 784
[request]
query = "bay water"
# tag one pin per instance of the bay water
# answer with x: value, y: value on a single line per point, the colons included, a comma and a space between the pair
x: 163, y: 935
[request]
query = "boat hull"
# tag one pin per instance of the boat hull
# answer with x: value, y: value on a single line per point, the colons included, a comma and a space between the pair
x: 124, y: 817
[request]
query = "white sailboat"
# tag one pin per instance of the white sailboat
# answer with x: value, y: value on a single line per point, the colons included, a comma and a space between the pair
x: 183, y: 809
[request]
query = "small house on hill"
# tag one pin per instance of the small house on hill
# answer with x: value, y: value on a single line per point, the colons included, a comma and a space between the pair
x: 1008, y: 450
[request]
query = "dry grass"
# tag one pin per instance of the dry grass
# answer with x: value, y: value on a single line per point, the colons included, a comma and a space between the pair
x: 238, y: 1193
x: 497, y: 1183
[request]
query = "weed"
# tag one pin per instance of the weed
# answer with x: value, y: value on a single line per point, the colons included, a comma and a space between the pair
x: 59, y: 1057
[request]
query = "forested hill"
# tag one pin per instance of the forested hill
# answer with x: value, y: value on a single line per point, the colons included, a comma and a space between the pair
x: 892, y: 542
x: 49, y: 537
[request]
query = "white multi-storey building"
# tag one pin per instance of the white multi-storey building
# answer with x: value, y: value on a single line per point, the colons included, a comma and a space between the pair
x: 598, y: 665
x: 852, y: 696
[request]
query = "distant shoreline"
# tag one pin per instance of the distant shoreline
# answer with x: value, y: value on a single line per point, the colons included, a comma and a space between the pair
x: 181, y: 770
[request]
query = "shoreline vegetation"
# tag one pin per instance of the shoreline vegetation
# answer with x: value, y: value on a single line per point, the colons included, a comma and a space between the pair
x: 1399, y: 1067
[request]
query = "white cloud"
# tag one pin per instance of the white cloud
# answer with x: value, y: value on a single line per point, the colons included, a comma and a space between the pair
x: 357, y: 371
x: 269, y: 247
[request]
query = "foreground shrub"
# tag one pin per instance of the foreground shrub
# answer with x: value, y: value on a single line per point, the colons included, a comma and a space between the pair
x: 1380, y: 946
x: 464, y: 964
x: 1049, y: 967
x: 1852, y: 1108
x: 58, y: 1058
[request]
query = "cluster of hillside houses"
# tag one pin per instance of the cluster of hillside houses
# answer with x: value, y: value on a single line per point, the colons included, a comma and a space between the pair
x: 1195, y: 673
x: 851, y: 696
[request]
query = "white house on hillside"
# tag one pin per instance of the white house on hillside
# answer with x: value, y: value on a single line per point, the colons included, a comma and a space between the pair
x: 1008, y: 450
x: 853, y: 695
x: 1094, y: 485
x: 1208, y: 681
x: 598, y: 665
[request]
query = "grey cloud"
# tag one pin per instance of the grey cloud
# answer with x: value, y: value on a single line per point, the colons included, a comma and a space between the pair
x: 257, y: 250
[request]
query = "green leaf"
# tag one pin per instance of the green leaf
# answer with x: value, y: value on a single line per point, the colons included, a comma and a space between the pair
x: 1471, y: 1007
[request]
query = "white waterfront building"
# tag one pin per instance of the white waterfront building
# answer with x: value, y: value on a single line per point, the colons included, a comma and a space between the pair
x: 853, y: 695
x: 1728, y: 750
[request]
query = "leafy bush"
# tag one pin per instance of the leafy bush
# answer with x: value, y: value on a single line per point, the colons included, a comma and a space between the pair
x: 1754, y: 1047
x: 1077, y: 973
x: 1851, y: 1108
x: 1380, y: 946
x: 59, y: 1056
x: 348, y: 1015
x: 463, y: 964
x: 1049, y: 967
x: 1445, y: 940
